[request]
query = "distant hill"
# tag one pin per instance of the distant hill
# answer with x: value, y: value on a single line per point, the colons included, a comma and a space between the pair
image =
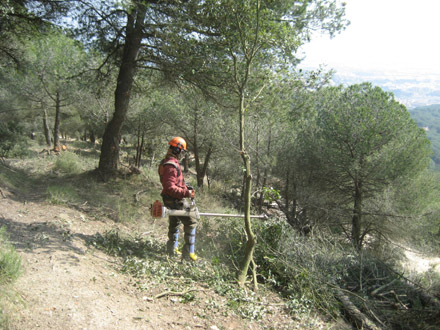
x: 413, y: 89
x: 428, y: 117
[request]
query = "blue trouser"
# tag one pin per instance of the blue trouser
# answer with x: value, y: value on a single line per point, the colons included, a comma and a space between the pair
x: 189, y: 228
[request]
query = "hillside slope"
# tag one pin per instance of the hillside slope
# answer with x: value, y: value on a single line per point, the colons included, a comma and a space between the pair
x: 67, y: 283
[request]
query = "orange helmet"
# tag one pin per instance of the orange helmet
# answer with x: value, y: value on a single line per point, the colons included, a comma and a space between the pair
x: 178, y: 142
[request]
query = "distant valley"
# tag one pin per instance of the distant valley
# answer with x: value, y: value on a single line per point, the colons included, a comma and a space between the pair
x: 413, y: 89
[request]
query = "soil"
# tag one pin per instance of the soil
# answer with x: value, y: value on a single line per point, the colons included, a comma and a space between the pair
x: 66, y: 283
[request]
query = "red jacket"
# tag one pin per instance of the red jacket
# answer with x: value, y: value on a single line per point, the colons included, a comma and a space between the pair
x: 172, y: 180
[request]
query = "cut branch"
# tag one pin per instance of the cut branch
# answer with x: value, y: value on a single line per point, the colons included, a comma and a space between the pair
x: 173, y: 293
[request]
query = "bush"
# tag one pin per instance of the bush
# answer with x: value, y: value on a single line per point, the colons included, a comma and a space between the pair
x: 13, y: 143
x: 68, y: 163
x: 304, y: 269
x: 10, y: 262
x: 10, y: 267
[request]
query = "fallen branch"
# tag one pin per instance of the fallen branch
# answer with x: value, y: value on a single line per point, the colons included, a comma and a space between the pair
x: 172, y: 293
x: 355, y: 314
x: 376, y: 291
x: 397, y: 300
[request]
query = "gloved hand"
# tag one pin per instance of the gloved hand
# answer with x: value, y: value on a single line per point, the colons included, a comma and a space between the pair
x: 191, y: 193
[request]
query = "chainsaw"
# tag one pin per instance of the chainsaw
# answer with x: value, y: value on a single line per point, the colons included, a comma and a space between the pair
x: 191, y: 210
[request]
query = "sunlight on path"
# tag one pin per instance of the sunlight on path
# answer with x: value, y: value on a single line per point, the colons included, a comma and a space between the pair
x: 418, y: 263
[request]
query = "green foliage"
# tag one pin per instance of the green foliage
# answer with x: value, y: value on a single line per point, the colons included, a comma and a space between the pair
x: 10, y: 270
x: 10, y: 262
x: 363, y: 142
x: 68, y: 163
x: 271, y: 194
x: 429, y: 118
x: 303, y: 269
x: 12, y: 140
x: 418, y: 203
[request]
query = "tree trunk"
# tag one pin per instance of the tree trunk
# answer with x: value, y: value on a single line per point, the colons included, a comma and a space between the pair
x: 139, y: 148
x: 109, y: 159
x: 201, y: 170
x: 186, y: 163
x: 250, y: 244
x: 46, y: 129
x: 204, y: 171
x: 56, y: 129
x: 357, y: 216
x: 268, y: 150
x: 92, y: 136
x: 359, y: 319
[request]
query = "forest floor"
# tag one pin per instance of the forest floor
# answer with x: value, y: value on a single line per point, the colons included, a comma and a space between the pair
x: 67, y: 283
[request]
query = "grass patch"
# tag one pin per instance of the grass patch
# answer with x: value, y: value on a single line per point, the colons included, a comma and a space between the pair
x: 10, y: 269
x: 10, y: 262
x: 62, y: 194
x: 68, y: 163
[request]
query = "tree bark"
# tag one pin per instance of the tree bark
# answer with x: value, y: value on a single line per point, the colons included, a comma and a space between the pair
x: 92, y: 136
x: 139, y: 147
x: 250, y: 244
x: 109, y: 159
x: 361, y: 321
x: 357, y: 216
x: 268, y: 150
x: 56, y: 129
x: 201, y: 170
x: 46, y: 129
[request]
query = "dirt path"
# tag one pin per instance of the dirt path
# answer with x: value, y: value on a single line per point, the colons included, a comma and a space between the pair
x: 66, y: 284
x: 418, y: 263
x: 69, y: 284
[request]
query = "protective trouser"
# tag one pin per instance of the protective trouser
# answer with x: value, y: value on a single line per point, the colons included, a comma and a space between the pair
x: 189, y: 229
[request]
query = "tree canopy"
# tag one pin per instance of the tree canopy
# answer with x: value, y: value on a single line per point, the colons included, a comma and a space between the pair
x: 363, y: 141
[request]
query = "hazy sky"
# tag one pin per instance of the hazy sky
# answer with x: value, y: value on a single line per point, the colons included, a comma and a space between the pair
x: 391, y: 35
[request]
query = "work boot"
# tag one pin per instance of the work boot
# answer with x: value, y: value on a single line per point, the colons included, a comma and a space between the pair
x: 188, y: 256
x: 172, y: 249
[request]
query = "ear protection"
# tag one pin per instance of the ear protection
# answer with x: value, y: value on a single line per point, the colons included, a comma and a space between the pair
x: 176, y: 150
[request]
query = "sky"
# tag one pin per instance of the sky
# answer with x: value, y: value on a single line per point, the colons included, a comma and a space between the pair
x: 384, y: 35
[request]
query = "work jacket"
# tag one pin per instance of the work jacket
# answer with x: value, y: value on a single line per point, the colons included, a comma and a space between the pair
x: 173, y: 183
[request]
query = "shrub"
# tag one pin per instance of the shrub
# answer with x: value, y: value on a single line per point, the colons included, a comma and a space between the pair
x: 10, y: 267
x: 10, y: 262
x: 68, y: 163
x: 13, y: 143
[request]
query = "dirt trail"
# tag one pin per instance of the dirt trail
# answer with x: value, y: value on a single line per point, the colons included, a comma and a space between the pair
x: 418, y: 263
x: 65, y: 284
x: 68, y: 284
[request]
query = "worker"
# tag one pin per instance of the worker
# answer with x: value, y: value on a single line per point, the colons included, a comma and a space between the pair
x: 174, y: 190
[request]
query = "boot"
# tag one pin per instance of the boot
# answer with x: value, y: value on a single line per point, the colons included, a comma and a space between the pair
x: 172, y: 249
x: 187, y: 255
